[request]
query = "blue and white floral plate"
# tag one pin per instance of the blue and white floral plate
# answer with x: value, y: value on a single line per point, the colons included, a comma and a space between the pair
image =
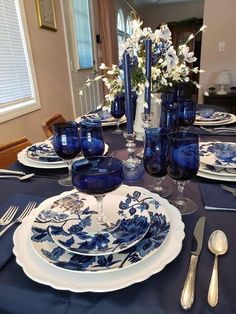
x: 48, y: 250
x: 59, y: 278
x: 74, y: 231
x: 43, y: 152
x: 228, y: 119
x: 208, y: 154
x: 217, y: 115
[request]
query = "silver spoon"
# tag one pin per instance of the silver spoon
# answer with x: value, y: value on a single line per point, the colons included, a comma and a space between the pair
x: 218, y: 245
x: 26, y: 177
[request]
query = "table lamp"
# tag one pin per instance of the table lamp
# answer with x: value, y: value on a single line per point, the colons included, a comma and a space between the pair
x: 223, y: 78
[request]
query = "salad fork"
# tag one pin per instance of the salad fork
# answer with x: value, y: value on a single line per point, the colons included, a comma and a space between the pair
x: 26, y: 212
x: 8, y: 216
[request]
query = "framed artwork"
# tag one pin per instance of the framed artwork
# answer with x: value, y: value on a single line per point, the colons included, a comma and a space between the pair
x: 46, y: 14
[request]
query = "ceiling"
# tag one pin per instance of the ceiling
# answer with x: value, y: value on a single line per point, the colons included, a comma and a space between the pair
x: 140, y: 3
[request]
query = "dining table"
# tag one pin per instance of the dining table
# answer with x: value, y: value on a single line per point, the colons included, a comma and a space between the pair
x: 158, y: 294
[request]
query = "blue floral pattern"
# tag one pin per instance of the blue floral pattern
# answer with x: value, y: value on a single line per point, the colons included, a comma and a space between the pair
x: 209, y: 154
x: 157, y: 233
x: 43, y: 152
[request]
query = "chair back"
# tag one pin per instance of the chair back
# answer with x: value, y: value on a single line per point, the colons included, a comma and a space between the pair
x: 9, y: 151
x: 47, y: 124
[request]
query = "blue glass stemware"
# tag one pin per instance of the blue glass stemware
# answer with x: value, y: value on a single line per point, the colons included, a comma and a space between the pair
x: 98, y: 176
x: 66, y: 143
x: 155, y: 158
x: 169, y: 117
x: 183, y: 165
x: 118, y: 111
x: 92, y: 143
x: 187, y: 113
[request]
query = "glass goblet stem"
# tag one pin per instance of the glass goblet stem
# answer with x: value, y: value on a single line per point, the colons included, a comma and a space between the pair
x: 180, y: 188
x: 101, y: 216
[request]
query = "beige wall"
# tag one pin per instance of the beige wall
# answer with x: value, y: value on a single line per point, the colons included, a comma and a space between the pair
x: 163, y: 13
x: 220, y: 17
x: 50, y: 61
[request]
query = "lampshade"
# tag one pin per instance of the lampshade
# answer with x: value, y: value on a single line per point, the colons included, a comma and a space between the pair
x: 223, y: 78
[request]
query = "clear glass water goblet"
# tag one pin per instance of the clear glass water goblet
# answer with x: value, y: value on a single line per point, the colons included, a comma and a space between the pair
x: 97, y: 176
x: 92, y: 143
x: 155, y: 158
x: 118, y: 111
x: 183, y: 164
x: 66, y: 143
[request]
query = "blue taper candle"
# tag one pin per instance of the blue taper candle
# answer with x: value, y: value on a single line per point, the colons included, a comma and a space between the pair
x: 148, y: 66
x: 128, y: 94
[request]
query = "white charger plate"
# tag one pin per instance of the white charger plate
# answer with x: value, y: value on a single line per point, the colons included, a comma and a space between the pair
x: 25, y: 160
x: 224, y: 172
x: 232, y: 119
x: 40, y: 271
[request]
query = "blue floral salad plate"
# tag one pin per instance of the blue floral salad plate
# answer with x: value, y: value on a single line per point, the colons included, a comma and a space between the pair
x: 217, y: 115
x: 43, y: 152
x: 49, y: 251
x: 74, y: 231
x: 218, y: 154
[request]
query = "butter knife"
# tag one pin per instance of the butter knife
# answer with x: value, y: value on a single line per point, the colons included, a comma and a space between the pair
x: 187, y: 295
x: 7, y: 171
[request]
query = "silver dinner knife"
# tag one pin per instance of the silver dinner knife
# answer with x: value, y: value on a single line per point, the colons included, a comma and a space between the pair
x: 187, y: 295
x: 7, y: 171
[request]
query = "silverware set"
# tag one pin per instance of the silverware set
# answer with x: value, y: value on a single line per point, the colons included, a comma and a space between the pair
x: 218, y: 245
x: 10, y: 214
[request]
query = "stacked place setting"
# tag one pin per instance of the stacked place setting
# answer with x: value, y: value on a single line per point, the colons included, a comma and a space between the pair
x: 208, y: 117
x: 218, y: 161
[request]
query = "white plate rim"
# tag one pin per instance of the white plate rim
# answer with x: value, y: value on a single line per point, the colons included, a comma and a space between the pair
x: 223, y: 174
x: 215, y: 177
x: 60, y: 279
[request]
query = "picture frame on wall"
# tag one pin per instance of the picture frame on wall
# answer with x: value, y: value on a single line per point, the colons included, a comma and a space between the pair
x: 46, y: 14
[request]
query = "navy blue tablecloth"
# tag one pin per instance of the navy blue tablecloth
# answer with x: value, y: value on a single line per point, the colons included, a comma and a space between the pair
x: 159, y: 294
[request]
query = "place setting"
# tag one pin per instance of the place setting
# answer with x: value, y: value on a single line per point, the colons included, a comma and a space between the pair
x: 217, y: 161
x: 208, y: 117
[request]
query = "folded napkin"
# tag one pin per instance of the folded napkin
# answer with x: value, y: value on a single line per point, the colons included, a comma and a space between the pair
x: 6, y: 240
x: 216, y: 198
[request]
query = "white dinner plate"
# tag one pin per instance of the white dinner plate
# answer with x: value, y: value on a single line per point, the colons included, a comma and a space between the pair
x: 215, y: 176
x: 224, y: 172
x: 61, y: 279
x: 108, y: 122
x: 232, y: 119
x: 25, y: 160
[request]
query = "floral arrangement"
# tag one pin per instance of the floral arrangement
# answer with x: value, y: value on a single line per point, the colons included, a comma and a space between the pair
x: 169, y: 67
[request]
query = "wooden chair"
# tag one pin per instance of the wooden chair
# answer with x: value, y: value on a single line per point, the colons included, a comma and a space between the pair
x: 47, y: 124
x: 9, y: 151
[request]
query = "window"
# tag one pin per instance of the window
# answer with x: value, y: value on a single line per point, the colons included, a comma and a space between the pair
x: 84, y: 48
x: 18, y: 88
x: 123, y: 29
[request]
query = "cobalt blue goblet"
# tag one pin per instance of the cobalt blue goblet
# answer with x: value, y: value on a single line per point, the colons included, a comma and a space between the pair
x: 183, y: 165
x: 66, y: 143
x: 169, y: 117
x: 118, y: 111
x: 92, y: 143
x: 187, y: 113
x: 155, y: 158
x: 98, y: 176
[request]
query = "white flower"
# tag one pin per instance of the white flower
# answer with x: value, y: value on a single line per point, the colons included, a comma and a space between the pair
x: 190, y: 38
x: 188, y: 56
x: 81, y: 92
x: 98, y: 78
x: 202, y: 29
x: 206, y: 93
x: 171, y: 58
x: 164, y: 32
x: 103, y: 66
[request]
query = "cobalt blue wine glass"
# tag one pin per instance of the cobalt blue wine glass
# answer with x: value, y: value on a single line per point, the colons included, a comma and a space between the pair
x: 98, y: 176
x: 155, y: 158
x: 118, y: 111
x: 169, y: 117
x: 66, y: 143
x: 91, y: 138
x: 183, y: 165
x: 187, y: 113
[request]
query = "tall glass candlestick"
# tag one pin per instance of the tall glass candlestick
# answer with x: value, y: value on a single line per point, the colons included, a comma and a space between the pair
x: 128, y: 93
x: 148, y: 66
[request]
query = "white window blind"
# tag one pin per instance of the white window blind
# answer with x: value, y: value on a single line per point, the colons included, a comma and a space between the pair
x: 16, y: 81
x: 83, y: 33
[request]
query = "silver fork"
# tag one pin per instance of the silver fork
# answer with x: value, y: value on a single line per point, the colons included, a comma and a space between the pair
x: 8, y: 216
x: 26, y: 212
